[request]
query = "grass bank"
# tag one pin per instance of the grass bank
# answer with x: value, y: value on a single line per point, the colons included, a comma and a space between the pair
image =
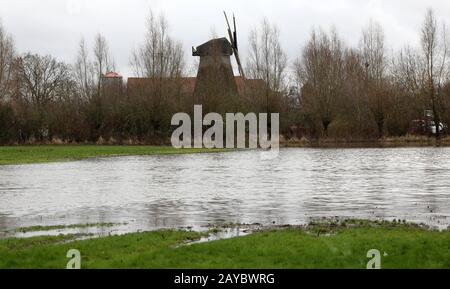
x: 27, y: 154
x: 11, y: 155
x: 316, y: 246
x: 385, y: 142
x: 61, y: 227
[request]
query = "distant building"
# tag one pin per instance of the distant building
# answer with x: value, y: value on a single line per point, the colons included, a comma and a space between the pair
x: 186, y: 86
x: 215, y: 86
x: 112, y: 84
x: 141, y: 85
x: 427, y: 126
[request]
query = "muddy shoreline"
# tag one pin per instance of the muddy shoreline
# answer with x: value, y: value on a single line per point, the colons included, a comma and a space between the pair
x: 391, y: 142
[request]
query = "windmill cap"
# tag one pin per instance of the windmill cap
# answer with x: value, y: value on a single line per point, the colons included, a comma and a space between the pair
x: 214, y: 47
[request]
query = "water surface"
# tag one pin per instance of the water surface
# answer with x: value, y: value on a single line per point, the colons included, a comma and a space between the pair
x: 172, y: 191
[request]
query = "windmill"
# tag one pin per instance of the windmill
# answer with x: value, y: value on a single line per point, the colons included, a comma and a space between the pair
x: 234, y: 43
x: 216, y: 87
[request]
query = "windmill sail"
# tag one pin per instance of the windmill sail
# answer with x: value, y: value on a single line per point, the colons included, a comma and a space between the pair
x: 235, y: 32
x: 234, y: 44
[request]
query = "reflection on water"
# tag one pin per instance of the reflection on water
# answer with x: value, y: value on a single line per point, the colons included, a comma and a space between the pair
x: 149, y: 192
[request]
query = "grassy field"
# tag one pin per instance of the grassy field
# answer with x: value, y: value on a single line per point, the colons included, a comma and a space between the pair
x: 337, y: 246
x: 10, y: 155
x: 14, y: 155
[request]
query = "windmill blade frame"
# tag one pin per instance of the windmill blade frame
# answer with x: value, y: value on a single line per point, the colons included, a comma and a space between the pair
x: 235, y: 33
x: 233, y: 39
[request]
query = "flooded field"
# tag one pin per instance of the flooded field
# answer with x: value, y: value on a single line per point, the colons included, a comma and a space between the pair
x: 194, y: 191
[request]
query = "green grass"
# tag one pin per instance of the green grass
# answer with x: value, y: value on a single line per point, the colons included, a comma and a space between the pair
x: 12, y: 155
x: 317, y: 247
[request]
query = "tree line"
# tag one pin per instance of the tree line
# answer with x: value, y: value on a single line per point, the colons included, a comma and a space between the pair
x: 364, y: 92
x: 335, y: 90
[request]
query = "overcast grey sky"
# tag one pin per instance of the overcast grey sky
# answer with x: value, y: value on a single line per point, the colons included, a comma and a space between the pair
x: 56, y: 26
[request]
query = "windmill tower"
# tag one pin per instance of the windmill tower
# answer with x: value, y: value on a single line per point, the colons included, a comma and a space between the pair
x: 216, y: 87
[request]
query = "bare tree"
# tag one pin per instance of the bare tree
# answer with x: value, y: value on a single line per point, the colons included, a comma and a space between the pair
x: 6, y: 62
x: 42, y: 78
x: 406, y: 101
x: 267, y: 59
x: 407, y: 71
x: 103, y: 62
x: 374, y: 57
x: 160, y: 56
x: 373, y: 50
x: 321, y: 73
x: 84, y: 72
x: 353, y: 107
x: 160, y: 60
x: 435, y: 52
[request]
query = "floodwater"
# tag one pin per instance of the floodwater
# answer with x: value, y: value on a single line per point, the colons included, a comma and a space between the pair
x: 141, y: 193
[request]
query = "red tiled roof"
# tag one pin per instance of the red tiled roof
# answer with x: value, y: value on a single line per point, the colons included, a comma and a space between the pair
x: 188, y: 84
x: 112, y: 74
